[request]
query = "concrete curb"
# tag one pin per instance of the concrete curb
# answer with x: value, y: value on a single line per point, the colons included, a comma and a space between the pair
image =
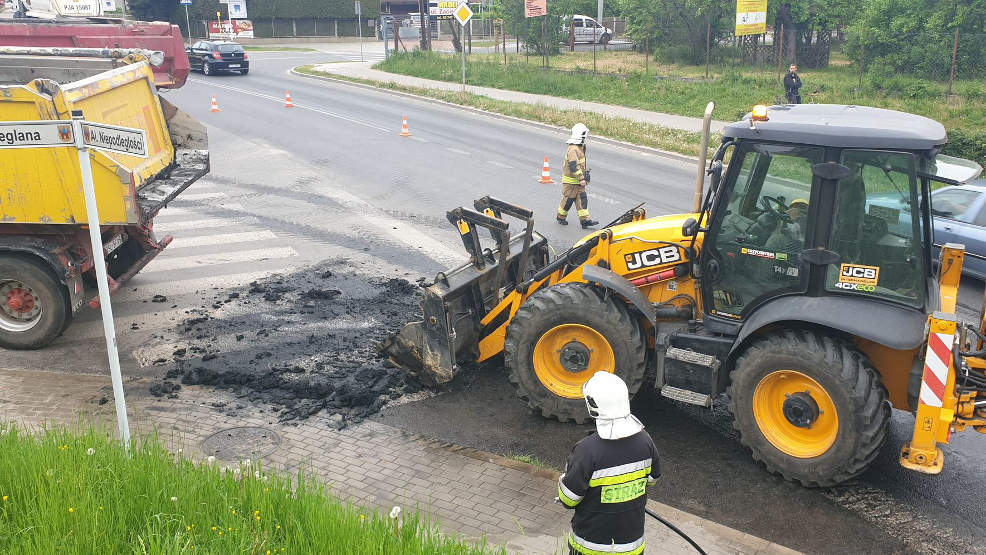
x: 554, y: 128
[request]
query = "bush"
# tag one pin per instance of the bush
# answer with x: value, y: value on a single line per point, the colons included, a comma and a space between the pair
x: 969, y: 144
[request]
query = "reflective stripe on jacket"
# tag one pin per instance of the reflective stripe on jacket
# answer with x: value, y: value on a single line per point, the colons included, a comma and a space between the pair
x: 573, y: 174
x: 605, y: 482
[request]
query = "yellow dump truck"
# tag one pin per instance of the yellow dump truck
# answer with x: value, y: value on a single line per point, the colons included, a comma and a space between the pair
x: 45, y: 252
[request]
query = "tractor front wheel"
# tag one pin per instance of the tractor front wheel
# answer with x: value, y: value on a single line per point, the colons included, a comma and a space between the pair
x: 809, y: 406
x: 560, y: 337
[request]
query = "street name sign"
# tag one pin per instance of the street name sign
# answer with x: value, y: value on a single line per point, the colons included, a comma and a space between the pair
x: 36, y: 134
x: 113, y: 138
x: 462, y: 14
x: 185, y: 2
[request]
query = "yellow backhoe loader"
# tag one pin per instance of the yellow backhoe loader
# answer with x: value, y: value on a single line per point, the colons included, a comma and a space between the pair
x: 805, y: 284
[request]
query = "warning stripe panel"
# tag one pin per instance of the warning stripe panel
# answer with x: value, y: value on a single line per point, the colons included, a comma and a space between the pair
x: 936, y: 364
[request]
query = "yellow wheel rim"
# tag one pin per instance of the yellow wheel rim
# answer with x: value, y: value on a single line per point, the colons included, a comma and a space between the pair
x: 795, y: 414
x: 568, y: 355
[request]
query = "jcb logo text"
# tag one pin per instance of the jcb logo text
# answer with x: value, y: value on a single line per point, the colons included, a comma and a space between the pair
x: 862, y: 275
x: 652, y: 257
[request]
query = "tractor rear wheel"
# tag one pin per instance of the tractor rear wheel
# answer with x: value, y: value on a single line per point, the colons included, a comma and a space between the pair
x: 560, y: 337
x: 810, y: 407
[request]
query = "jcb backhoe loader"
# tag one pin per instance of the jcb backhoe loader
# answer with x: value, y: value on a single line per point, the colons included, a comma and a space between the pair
x: 804, y: 285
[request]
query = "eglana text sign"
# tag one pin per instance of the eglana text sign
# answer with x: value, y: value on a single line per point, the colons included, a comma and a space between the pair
x: 751, y: 17
x: 35, y: 134
x: 535, y: 8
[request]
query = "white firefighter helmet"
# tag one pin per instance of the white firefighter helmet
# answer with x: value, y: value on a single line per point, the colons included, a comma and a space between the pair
x: 608, y: 401
x: 579, y: 133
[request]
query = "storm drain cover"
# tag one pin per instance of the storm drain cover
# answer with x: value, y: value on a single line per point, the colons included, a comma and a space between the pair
x: 241, y: 443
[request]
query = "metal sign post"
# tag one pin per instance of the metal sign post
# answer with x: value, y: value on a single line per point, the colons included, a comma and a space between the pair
x: 359, y: 25
x: 463, y: 14
x: 84, y: 135
x: 188, y: 26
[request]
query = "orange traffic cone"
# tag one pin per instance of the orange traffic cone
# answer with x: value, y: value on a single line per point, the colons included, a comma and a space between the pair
x: 405, y: 132
x: 215, y: 107
x: 287, y: 100
x: 546, y: 173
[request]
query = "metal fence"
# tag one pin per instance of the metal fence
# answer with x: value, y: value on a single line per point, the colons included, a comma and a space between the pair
x: 301, y: 27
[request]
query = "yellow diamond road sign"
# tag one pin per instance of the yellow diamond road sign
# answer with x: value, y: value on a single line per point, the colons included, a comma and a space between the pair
x: 462, y: 14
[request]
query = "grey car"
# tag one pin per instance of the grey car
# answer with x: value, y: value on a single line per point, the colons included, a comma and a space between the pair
x: 959, y: 217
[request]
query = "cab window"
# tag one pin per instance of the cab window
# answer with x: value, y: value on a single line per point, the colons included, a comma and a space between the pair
x: 876, y: 231
x: 953, y: 204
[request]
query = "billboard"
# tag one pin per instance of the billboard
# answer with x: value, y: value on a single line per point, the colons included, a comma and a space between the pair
x: 442, y: 9
x: 751, y: 17
x: 239, y: 28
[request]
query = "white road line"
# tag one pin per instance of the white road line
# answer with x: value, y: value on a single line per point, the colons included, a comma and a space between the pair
x: 281, y: 100
x: 201, y: 196
x: 500, y: 164
x: 179, y: 211
x: 222, y: 239
x: 206, y: 223
x: 457, y: 151
x: 145, y: 290
x: 164, y: 263
x: 602, y: 198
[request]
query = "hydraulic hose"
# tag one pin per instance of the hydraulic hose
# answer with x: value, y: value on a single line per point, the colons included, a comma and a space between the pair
x: 675, y: 530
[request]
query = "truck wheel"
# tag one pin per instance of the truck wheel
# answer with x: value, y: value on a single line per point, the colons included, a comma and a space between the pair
x: 34, y: 307
x: 810, y: 407
x: 560, y: 337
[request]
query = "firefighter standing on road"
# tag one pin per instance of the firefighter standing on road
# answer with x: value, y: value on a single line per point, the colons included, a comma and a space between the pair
x: 607, y: 474
x: 575, y: 178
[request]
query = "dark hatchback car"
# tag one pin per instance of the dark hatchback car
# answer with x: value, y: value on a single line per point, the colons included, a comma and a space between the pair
x: 210, y: 56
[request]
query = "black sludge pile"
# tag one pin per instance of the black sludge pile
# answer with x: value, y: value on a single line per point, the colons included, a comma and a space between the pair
x: 301, y: 343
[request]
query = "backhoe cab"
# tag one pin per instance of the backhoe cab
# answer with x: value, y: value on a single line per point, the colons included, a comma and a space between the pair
x: 803, y: 286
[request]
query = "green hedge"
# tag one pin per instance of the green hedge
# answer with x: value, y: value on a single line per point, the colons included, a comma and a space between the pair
x: 967, y: 144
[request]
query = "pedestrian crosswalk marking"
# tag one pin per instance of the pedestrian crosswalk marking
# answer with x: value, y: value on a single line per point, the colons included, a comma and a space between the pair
x: 201, y: 196
x: 221, y: 239
x: 146, y: 289
x: 163, y: 263
x: 205, y: 223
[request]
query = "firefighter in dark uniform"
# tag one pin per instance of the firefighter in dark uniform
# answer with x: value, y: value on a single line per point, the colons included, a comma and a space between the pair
x: 607, y: 474
x: 574, y: 178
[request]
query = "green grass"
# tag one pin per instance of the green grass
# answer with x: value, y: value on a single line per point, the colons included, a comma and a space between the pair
x: 532, y: 460
x: 673, y: 140
x: 64, y: 491
x: 278, y: 49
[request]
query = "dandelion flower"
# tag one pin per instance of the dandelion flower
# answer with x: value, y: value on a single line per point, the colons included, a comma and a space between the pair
x: 174, y: 499
x: 100, y: 507
x: 188, y: 528
x: 257, y: 517
x: 71, y: 510
x: 4, y: 497
x: 213, y: 528
x: 278, y: 527
x: 210, y: 459
x: 234, y: 511
x: 90, y: 451
x: 180, y: 451
x: 395, y: 512
x: 220, y: 532
x: 268, y: 552
x: 266, y: 489
x: 256, y: 474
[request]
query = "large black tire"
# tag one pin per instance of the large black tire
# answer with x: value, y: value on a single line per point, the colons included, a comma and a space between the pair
x: 207, y: 68
x: 850, y: 381
x: 571, y: 303
x: 22, y: 274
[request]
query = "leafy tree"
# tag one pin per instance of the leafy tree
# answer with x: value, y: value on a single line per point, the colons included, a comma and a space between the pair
x: 916, y: 36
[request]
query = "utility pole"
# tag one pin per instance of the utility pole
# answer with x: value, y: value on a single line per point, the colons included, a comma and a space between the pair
x: 422, y: 9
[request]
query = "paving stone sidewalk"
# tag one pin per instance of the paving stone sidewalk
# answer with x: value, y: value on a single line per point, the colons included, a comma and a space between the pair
x: 463, y: 491
x: 363, y: 70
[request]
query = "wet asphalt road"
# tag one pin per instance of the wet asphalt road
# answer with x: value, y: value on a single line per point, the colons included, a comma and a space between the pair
x: 332, y: 178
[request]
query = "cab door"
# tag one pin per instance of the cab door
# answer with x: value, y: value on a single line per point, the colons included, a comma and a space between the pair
x: 758, y: 232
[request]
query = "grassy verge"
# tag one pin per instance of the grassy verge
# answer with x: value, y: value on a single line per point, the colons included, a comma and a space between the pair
x: 673, y: 140
x: 735, y: 90
x: 278, y: 49
x: 63, y: 491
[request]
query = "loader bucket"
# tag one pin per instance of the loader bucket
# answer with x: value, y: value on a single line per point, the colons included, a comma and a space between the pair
x: 454, y: 306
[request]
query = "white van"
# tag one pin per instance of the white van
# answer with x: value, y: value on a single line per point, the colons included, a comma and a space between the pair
x: 587, y: 30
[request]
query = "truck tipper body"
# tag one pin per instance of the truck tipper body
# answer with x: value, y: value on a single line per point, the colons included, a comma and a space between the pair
x: 45, y: 253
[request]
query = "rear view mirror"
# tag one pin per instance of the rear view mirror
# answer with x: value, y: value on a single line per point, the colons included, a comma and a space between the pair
x: 689, y: 228
x: 715, y: 173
